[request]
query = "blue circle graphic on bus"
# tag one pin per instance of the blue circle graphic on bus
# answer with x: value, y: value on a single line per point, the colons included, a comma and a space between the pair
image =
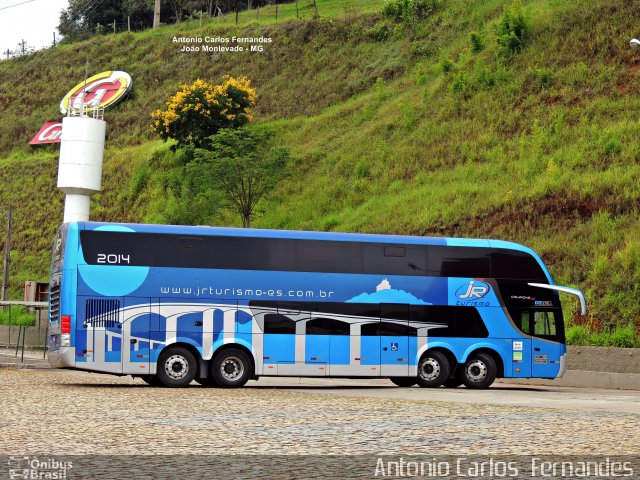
x: 115, y: 280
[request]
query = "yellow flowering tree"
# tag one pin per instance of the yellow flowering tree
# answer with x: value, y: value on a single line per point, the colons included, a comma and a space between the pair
x: 199, y: 110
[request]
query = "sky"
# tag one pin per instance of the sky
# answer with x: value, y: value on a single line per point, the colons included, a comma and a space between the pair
x: 34, y: 22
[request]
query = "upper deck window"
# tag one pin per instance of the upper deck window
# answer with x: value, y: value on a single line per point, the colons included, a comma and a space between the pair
x: 298, y: 255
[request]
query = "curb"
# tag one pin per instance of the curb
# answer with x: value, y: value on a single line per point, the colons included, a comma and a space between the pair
x: 585, y: 379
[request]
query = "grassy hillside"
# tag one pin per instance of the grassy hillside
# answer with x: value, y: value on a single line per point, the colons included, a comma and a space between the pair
x: 395, y: 127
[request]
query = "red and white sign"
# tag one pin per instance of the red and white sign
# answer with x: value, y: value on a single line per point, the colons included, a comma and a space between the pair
x: 50, y: 132
x: 100, y: 91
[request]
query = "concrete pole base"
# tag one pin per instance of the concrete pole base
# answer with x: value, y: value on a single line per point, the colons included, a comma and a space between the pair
x: 76, y: 208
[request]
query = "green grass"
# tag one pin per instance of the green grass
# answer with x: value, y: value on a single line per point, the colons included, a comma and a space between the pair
x: 405, y: 128
x: 20, y: 316
x: 619, y: 337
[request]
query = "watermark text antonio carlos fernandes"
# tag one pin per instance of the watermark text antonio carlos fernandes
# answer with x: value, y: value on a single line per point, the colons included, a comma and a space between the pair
x: 221, y: 44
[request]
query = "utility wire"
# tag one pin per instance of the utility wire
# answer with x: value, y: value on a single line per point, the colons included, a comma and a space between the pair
x: 37, y: 61
x: 17, y: 4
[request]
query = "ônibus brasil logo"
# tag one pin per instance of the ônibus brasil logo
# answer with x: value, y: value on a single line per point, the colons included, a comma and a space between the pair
x: 100, y: 91
x: 471, y: 293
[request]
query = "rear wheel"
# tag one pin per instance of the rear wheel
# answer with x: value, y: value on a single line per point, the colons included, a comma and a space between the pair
x: 480, y: 371
x: 404, y: 381
x: 176, y: 367
x: 231, y: 368
x: 433, y: 369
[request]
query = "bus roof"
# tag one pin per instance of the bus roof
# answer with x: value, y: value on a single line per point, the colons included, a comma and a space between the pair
x: 311, y: 235
x: 307, y: 235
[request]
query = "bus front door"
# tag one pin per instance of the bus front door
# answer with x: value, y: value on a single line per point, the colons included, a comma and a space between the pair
x: 521, y: 346
x: 546, y: 347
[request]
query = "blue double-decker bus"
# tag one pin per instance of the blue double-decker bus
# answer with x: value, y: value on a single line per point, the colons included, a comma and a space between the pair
x: 174, y: 304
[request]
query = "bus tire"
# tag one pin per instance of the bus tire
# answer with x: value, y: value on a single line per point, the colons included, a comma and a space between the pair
x: 404, y: 381
x: 433, y: 369
x: 479, y: 371
x: 176, y: 367
x: 231, y: 368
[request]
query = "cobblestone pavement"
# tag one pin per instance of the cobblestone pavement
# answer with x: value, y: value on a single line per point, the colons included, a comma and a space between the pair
x: 62, y: 412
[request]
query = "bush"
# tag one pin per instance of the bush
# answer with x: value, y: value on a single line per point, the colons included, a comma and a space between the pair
x: 446, y: 65
x: 19, y: 316
x: 477, y: 42
x: 460, y: 85
x: 379, y: 32
x: 406, y: 10
x: 512, y: 31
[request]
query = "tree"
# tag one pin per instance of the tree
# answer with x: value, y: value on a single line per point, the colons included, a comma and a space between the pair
x: 80, y: 20
x: 199, y: 110
x: 178, y: 7
x: 241, y: 165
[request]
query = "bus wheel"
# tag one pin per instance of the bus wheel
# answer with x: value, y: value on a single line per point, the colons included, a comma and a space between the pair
x: 231, y: 368
x: 176, y: 367
x: 433, y: 369
x: 404, y: 381
x: 480, y: 371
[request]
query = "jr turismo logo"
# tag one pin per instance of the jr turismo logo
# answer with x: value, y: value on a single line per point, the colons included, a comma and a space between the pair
x: 472, y: 292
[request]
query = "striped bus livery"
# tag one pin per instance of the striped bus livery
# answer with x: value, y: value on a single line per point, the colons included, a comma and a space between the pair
x: 173, y: 304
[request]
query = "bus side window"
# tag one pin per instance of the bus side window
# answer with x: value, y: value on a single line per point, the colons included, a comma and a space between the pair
x: 277, y: 323
x: 544, y: 324
x: 327, y: 326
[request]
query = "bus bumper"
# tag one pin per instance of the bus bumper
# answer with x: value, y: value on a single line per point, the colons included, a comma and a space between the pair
x: 563, y: 365
x: 65, y: 357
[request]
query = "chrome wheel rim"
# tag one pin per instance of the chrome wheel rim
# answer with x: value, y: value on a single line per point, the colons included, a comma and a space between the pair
x: 231, y: 368
x: 476, y: 371
x: 429, y: 369
x: 176, y: 367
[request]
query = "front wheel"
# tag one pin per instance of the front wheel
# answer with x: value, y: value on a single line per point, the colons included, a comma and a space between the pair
x: 404, y: 381
x: 176, y: 367
x: 433, y: 369
x: 231, y: 368
x: 480, y: 371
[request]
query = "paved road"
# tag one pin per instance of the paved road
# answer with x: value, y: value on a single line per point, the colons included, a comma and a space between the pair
x: 581, y: 399
x: 64, y: 412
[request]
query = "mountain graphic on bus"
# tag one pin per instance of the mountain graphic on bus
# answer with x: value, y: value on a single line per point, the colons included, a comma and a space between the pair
x: 385, y: 294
